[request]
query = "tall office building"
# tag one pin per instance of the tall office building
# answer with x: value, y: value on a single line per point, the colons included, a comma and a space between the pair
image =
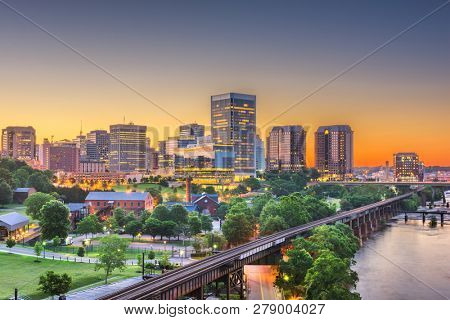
x: 62, y: 156
x: 286, y: 147
x: 128, y: 148
x: 407, y: 167
x: 192, y: 131
x: 19, y: 143
x: 98, y: 145
x: 233, y: 123
x: 334, y: 151
x: 260, y: 161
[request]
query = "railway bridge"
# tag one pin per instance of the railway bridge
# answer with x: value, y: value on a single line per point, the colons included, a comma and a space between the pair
x: 228, y: 266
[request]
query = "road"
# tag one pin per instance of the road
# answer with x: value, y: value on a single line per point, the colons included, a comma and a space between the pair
x: 260, y: 281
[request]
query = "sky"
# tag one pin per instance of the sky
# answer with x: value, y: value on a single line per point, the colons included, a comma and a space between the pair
x: 179, y: 53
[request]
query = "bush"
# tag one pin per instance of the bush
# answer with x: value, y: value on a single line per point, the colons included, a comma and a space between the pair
x: 80, y: 252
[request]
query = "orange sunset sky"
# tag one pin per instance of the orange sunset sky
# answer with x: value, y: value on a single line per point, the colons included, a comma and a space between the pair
x: 397, y: 100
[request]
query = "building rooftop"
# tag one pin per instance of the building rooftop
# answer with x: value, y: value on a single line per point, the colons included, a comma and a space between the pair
x: 24, y: 190
x: 340, y: 127
x: 13, y: 221
x: 117, y: 196
x: 75, y: 206
x: 213, y: 196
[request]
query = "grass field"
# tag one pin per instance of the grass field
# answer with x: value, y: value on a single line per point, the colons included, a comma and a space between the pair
x: 19, y: 208
x: 23, y: 272
x: 165, y: 191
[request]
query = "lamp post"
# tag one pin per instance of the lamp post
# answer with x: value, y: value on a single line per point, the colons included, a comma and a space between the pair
x: 181, y: 255
x: 165, y: 242
x: 43, y: 244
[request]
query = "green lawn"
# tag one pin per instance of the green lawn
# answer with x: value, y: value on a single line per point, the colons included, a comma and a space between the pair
x: 166, y: 191
x: 19, y: 208
x: 23, y: 272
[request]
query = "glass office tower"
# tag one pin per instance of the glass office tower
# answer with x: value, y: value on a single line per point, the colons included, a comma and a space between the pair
x: 233, y: 123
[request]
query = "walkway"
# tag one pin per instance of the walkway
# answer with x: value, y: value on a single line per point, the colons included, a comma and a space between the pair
x: 26, y: 251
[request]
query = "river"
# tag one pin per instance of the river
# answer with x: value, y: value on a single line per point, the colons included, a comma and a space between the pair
x: 405, y: 261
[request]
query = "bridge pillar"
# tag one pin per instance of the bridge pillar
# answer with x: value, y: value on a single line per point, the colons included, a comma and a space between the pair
x: 442, y: 219
x: 423, y: 199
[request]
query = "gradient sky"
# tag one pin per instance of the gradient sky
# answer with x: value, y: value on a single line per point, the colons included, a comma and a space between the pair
x: 178, y: 53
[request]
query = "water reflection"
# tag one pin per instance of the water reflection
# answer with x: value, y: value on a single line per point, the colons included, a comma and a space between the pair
x: 405, y: 261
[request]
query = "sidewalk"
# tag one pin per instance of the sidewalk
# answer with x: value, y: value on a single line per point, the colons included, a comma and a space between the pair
x: 63, y: 257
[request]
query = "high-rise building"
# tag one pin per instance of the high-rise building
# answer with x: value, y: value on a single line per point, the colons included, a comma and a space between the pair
x: 128, y: 148
x: 62, y: 156
x: 19, y: 143
x: 286, y: 147
x: 192, y: 131
x: 407, y: 167
x: 81, y: 144
x: 260, y: 162
x: 233, y: 123
x: 334, y: 151
x: 98, y: 145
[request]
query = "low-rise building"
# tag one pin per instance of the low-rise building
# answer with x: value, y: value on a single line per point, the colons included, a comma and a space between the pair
x: 105, y: 202
x: 21, y: 194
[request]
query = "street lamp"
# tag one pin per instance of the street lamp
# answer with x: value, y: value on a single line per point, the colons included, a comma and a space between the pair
x: 165, y: 245
x: 43, y: 244
x: 181, y: 255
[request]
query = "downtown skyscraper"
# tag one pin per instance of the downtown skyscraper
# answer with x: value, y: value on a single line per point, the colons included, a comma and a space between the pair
x: 19, y: 143
x: 128, y: 148
x: 286, y: 147
x: 334, y: 151
x: 233, y: 123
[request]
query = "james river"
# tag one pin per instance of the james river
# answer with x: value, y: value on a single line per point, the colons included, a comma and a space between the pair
x: 405, y: 261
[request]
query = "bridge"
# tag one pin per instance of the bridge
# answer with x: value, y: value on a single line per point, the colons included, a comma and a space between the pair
x: 227, y: 266
x: 384, y: 183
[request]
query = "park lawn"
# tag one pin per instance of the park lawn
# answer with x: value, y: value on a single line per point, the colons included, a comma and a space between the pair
x: 23, y: 272
x: 19, y: 208
x: 166, y: 191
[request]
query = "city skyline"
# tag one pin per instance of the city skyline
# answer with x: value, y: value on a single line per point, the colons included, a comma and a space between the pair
x: 396, y: 101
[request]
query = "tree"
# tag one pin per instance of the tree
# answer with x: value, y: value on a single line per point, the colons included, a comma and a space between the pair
x: 210, y: 190
x: 111, y: 255
x: 10, y: 243
x: 240, y: 189
x: 54, y: 220
x: 133, y: 228
x: 252, y: 183
x: 35, y: 202
x: 195, y: 224
x: 272, y: 224
x: 89, y: 224
x: 6, y: 176
x: 120, y: 216
x: 338, y: 239
x: 81, y: 252
x: 292, y: 271
x: 156, y: 195
x: 215, y: 240
x: 178, y: 214
x: 161, y: 213
x: 6, y: 193
x: 40, y: 182
x: 152, y: 227
x: 56, y: 241
x: 151, y: 255
x: 330, y: 278
x: 20, y: 178
x: 38, y: 248
x: 168, y: 229
x: 237, y: 228
x: 259, y: 202
x: 55, y: 284
x: 222, y: 210
x: 206, y: 223
x: 111, y: 224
